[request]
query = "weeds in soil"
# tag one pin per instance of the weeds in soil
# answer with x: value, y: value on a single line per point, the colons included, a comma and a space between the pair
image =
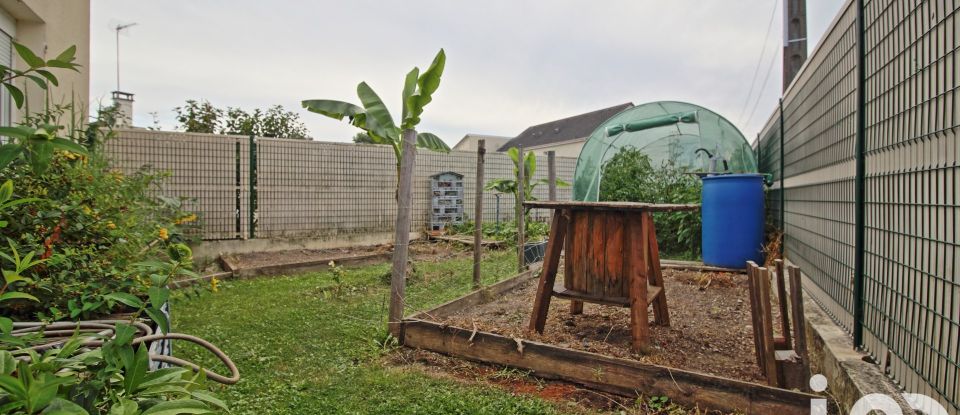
x: 771, y: 251
x: 510, y: 374
x: 662, y: 405
x: 384, y: 341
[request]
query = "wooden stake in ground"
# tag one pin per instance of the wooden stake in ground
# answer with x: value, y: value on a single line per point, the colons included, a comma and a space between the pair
x: 552, y: 174
x: 402, y: 232
x: 478, y: 215
x: 519, y: 208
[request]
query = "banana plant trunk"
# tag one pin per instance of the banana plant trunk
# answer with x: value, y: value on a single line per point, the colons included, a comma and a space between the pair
x: 402, y: 233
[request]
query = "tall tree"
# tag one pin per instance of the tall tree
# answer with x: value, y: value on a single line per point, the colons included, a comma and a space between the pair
x: 199, y: 117
x: 275, y: 121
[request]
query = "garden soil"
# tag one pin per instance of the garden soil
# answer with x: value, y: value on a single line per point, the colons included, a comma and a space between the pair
x: 710, y: 328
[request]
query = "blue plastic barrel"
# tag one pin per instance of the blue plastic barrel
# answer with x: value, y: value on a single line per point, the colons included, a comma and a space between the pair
x: 732, y: 213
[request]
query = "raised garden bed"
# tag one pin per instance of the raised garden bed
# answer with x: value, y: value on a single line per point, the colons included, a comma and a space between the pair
x: 705, y: 359
x: 301, y: 260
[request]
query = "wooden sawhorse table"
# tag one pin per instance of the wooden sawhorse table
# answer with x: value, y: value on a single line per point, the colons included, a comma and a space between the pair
x: 611, y: 258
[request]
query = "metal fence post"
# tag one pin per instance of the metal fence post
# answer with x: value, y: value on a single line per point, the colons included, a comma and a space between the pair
x: 238, y: 183
x: 859, y: 195
x: 253, y: 188
x: 783, y: 190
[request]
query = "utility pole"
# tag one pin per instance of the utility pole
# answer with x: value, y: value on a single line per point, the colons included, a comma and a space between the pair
x: 118, y: 29
x: 794, y: 39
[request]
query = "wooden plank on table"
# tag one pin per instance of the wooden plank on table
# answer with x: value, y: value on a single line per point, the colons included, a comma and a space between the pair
x: 620, y: 376
x: 766, y: 316
x: 783, y: 303
x: 541, y: 303
x: 613, y: 253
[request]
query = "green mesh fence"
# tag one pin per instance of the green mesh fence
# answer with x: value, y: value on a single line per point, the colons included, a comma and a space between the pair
x: 911, y: 288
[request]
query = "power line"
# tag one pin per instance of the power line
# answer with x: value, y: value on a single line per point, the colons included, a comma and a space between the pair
x: 763, y: 51
x: 762, y: 87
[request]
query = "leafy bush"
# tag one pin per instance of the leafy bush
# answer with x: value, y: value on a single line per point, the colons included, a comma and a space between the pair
x: 504, y: 231
x: 81, y: 241
x: 630, y: 177
x: 90, y: 224
x: 114, y: 378
x: 533, y: 231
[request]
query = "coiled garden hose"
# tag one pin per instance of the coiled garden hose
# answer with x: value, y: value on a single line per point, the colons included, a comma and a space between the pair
x: 53, y: 335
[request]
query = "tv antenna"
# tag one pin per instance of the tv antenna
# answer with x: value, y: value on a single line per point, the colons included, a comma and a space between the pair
x: 119, y: 28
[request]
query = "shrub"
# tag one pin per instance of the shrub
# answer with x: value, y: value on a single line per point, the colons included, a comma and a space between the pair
x: 630, y: 177
x: 90, y: 224
x: 504, y: 231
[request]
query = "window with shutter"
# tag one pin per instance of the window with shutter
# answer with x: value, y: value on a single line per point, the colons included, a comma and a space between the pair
x: 6, y: 59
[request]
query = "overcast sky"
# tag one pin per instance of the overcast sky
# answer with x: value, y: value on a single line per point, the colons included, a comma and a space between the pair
x: 510, y: 63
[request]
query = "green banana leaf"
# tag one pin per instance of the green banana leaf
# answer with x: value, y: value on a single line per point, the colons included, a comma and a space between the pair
x: 430, y: 141
x: 427, y: 84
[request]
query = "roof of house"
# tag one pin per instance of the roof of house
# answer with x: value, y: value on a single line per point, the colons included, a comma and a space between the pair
x: 566, y: 129
x: 469, y: 141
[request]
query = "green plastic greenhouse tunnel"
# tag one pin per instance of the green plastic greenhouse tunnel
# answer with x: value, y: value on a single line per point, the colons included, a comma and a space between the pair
x: 668, y: 132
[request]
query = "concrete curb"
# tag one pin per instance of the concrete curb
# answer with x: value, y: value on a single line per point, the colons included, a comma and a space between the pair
x: 832, y: 354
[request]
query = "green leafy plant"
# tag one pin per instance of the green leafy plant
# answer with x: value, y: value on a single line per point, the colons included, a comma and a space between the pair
x: 199, y: 117
x: 629, y: 176
x: 113, y: 379
x: 91, y: 224
x: 88, y: 222
x: 503, y: 231
x: 38, y: 71
x: 374, y: 118
x: 36, y: 145
x: 510, y: 186
x: 658, y: 403
x: 203, y: 117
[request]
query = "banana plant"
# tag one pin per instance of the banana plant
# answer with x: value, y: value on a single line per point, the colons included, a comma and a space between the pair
x: 374, y: 118
x: 529, y: 164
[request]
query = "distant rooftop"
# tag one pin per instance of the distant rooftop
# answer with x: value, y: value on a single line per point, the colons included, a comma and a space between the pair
x: 566, y: 129
x: 469, y: 142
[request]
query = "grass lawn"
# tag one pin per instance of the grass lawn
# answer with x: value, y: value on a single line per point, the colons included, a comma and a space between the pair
x: 305, y: 344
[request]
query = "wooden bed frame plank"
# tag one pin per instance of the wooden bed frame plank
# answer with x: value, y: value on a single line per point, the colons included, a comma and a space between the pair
x: 481, y: 296
x: 614, y: 375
